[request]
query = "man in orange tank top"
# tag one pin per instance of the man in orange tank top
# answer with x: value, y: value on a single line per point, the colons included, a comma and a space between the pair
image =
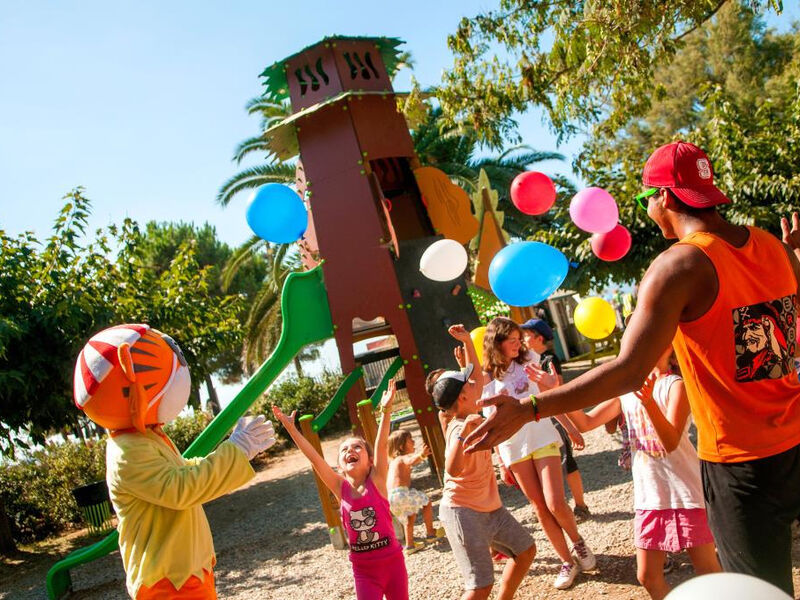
x: 727, y: 296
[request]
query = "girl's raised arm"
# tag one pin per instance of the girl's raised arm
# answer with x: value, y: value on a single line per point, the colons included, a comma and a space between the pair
x: 599, y: 415
x: 670, y: 427
x: 330, y: 478
x: 382, y: 439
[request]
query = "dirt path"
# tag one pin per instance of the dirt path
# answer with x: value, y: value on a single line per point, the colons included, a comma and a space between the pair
x: 272, y: 543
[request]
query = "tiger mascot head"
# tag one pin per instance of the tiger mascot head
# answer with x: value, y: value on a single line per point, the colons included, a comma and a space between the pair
x: 131, y: 376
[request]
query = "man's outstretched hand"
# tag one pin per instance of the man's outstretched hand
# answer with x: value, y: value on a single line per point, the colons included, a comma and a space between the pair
x: 510, y: 416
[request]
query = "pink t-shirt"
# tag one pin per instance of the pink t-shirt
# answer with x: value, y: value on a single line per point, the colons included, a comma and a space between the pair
x: 368, y: 523
x: 476, y: 486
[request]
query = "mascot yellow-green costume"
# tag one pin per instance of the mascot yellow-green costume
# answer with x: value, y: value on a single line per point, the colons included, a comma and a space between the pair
x: 131, y: 379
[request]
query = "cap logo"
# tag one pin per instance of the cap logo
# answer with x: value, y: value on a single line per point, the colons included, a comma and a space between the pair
x: 703, y: 168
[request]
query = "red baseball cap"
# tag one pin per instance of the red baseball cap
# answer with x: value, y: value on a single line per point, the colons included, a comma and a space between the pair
x: 686, y: 171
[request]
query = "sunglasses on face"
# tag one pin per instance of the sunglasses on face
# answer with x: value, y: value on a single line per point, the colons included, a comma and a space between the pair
x: 368, y: 522
x: 641, y: 198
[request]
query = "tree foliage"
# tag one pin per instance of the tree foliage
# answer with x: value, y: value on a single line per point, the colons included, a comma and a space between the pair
x: 54, y: 296
x: 456, y: 150
x: 271, y: 113
x: 732, y: 89
x: 162, y: 242
x: 581, y: 61
x: 633, y: 76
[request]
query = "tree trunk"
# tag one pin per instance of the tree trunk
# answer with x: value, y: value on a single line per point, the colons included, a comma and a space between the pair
x: 79, y: 427
x: 212, y: 404
x: 7, y: 545
x: 194, y: 396
x: 298, y: 367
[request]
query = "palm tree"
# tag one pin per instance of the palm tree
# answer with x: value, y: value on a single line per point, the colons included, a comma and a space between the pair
x: 273, y: 172
x: 454, y: 150
x: 263, y: 325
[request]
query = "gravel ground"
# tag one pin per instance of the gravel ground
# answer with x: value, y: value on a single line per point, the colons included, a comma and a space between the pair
x: 271, y: 542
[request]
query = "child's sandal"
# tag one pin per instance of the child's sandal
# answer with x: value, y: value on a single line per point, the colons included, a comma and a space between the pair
x: 438, y: 534
x: 415, y: 548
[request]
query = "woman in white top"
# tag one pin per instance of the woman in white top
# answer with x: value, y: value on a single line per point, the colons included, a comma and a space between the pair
x: 532, y: 455
x: 667, y: 491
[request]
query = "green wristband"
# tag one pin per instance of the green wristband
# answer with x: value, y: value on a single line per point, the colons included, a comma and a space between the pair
x: 536, y: 415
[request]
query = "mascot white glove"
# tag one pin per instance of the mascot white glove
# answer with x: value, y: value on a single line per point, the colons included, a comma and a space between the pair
x: 253, y: 435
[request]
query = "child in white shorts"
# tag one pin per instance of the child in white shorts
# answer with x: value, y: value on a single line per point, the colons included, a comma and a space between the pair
x: 404, y: 501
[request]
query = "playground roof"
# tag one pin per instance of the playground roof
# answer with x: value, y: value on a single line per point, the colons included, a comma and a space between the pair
x: 275, y: 75
x: 282, y: 138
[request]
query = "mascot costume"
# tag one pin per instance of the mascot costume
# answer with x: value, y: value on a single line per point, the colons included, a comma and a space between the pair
x: 131, y: 379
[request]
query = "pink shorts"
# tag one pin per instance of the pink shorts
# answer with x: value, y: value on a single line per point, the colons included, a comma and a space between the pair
x: 671, y: 529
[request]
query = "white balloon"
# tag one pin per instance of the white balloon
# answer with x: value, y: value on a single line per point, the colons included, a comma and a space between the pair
x: 727, y: 586
x: 443, y: 260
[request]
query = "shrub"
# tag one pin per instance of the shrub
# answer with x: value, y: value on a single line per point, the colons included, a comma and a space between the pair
x: 486, y: 305
x: 306, y: 395
x: 38, y: 491
x: 185, y: 428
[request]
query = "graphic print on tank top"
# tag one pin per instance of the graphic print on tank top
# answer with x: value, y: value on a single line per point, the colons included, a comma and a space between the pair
x: 765, y: 338
x: 363, y: 522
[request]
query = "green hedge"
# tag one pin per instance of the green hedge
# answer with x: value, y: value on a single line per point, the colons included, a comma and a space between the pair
x: 184, y: 429
x: 308, y: 396
x: 37, y: 491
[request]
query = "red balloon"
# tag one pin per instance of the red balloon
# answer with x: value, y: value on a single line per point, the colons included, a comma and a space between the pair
x: 533, y: 192
x: 613, y: 245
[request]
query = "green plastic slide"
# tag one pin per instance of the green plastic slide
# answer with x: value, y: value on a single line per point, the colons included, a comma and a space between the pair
x: 306, y: 319
x: 330, y: 409
x: 396, y: 365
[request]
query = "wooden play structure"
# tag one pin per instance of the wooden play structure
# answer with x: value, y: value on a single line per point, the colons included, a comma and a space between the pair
x: 373, y: 210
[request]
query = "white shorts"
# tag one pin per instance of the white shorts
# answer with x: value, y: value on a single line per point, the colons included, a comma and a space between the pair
x: 405, y: 502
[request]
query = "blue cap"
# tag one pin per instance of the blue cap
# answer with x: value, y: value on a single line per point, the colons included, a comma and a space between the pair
x: 540, y: 327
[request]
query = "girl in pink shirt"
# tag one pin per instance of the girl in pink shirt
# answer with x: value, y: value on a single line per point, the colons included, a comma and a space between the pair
x: 376, y: 556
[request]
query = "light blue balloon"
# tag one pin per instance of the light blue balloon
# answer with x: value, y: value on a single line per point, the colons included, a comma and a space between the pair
x: 526, y: 273
x: 277, y: 214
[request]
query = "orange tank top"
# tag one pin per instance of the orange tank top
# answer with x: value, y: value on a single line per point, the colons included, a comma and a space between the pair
x: 738, y: 358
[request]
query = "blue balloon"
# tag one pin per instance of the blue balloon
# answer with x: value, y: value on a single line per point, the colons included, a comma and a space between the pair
x: 277, y: 214
x: 526, y: 273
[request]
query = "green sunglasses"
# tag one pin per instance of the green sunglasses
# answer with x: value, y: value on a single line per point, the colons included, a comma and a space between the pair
x: 640, y: 198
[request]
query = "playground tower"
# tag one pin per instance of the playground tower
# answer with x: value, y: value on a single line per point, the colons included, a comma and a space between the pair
x: 373, y: 210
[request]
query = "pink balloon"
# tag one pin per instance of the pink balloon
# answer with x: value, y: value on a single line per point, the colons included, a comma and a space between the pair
x: 613, y: 245
x: 594, y: 210
x: 533, y: 192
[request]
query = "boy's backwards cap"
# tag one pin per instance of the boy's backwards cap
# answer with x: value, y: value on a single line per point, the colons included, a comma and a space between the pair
x: 448, y: 387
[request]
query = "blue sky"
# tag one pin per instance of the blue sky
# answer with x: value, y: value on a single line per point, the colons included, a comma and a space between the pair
x: 142, y: 103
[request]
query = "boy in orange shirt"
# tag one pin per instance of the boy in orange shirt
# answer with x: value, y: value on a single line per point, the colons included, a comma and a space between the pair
x: 471, y: 511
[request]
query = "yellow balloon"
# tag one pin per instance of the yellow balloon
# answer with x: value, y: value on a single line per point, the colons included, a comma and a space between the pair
x: 595, y: 318
x: 477, y: 341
